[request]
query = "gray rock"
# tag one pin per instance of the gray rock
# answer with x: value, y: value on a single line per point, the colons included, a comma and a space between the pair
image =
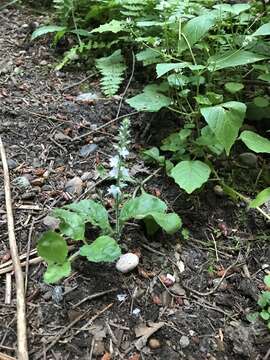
x: 51, y: 222
x: 127, y: 262
x: 86, y: 176
x: 59, y: 136
x: 12, y: 164
x: 184, y: 341
x: 22, y: 182
x: 88, y: 149
x: 74, y: 186
x: 86, y: 97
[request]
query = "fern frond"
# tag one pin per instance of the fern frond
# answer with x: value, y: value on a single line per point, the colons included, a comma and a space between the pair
x: 112, y: 69
x: 133, y: 8
x: 64, y: 9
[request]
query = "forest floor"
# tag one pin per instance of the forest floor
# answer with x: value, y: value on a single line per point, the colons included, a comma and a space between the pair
x: 133, y: 316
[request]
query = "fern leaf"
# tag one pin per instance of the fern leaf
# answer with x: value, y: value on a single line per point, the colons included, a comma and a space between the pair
x: 111, y: 69
x: 133, y: 8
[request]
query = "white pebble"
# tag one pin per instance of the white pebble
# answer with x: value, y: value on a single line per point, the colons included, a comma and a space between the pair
x: 127, y: 262
x: 184, y: 341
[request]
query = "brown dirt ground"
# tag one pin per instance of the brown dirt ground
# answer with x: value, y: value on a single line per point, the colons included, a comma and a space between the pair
x: 197, y: 321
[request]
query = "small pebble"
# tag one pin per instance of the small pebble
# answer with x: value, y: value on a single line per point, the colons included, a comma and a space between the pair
x: 12, y: 164
x: 22, y: 182
x: 74, y: 186
x: 127, y: 262
x: 88, y: 149
x: 86, y: 176
x: 218, y: 190
x: 154, y: 344
x: 184, y: 341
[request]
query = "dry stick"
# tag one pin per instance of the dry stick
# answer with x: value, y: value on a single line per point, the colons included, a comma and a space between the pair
x: 21, y: 308
x: 30, y: 262
x: 64, y: 330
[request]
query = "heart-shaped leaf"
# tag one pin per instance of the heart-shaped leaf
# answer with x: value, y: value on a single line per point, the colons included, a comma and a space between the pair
x: 92, y: 212
x: 225, y: 121
x: 52, y: 247
x: 72, y: 224
x: 190, y: 175
x: 103, y: 249
x: 56, y: 272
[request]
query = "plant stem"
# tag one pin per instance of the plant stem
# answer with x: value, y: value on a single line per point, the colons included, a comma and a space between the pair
x: 117, y: 200
x: 74, y: 256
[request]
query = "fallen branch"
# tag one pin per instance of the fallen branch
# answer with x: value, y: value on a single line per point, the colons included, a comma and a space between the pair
x: 20, y: 296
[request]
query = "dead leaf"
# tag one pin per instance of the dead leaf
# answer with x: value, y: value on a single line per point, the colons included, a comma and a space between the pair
x: 144, y: 332
x: 106, y: 356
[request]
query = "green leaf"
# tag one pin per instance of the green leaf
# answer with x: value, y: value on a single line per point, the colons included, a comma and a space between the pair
x: 261, y: 198
x: 92, y: 212
x: 190, y: 175
x: 225, y: 121
x: 72, y: 224
x: 264, y: 77
x: 150, y: 100
x: 52, y: 247
x: 264, y: 299
x: 176, y: 141
x: 164, y: 68
x: 255, y: 142
x: 152, y: 155
x: 266, y: 279
x: 195, y: 29
x: 263, y: 30
x: 252, y: 317
x: 150, y: 207
x: 233, y: 58
x: 265, y: 315
x: 234, y: 87
x: 103, y: 249
x: 260, y: 101
x: 209, y: 139
x: 47, y: 29
x: 235, y: 9
x: 56, y: 272
x: 114, y: 26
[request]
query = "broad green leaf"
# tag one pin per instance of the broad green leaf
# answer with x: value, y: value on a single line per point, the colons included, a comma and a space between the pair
x: 195, y: 29
x: 233, y: 58
x: 72, y: 224
x: 56, y: 272
x: 113, y: 26
x: 47, y: 29
x: 164, y: 68
x: 225, y: 121
x: 190, y: 175
x: 103, y: 249
x: 141, y: 207
x: 261, y: 198
x: 150, y: 208
x: 175, y: 141
x: 235, y: 9
x: 150, y: 100
x: 255, y: 142
x: 208, y: 139
x: 264, y: 299
x: 178, y: 80
x: 92, y: 212
x: 149, y: 23
x: 152, y: 154
x: 263, y: 30
x: 266, y: 280
x: 148, y: 56
x: 168, y: 222
x: 234, y: 87
x: 52, y: 247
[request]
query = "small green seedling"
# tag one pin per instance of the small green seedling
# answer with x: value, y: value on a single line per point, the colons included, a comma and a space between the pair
x: 264, y: 302
x: 53, y: 247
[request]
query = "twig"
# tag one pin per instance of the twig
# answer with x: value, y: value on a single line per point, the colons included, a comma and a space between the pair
x: 8, y: 289
x: 267, y: 355
x: 78, y: 82
x: 6, y: 357
x: 28, y: 255
x: 21, y: 308
x: 93, y: 296
x: 103, y: 126
x: 30, y: 262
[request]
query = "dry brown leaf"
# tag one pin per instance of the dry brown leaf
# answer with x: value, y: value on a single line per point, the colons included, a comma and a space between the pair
x: 106, y: 356
x: 144, y: 332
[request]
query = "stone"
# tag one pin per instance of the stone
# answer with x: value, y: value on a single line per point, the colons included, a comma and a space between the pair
x: 12, y: 164
x: 88, y: 149
x: 154, y: 344
x: 127, y: 262
x: 74, y: 186
x: 51, y: 222
x: 87, y: 97
x: 184, y: 341
x: 59, y: 136
x: 22, y: 182
x: 86, y: 176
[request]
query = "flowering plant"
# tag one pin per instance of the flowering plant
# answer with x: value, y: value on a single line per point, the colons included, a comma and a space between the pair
x: 52, y: 246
